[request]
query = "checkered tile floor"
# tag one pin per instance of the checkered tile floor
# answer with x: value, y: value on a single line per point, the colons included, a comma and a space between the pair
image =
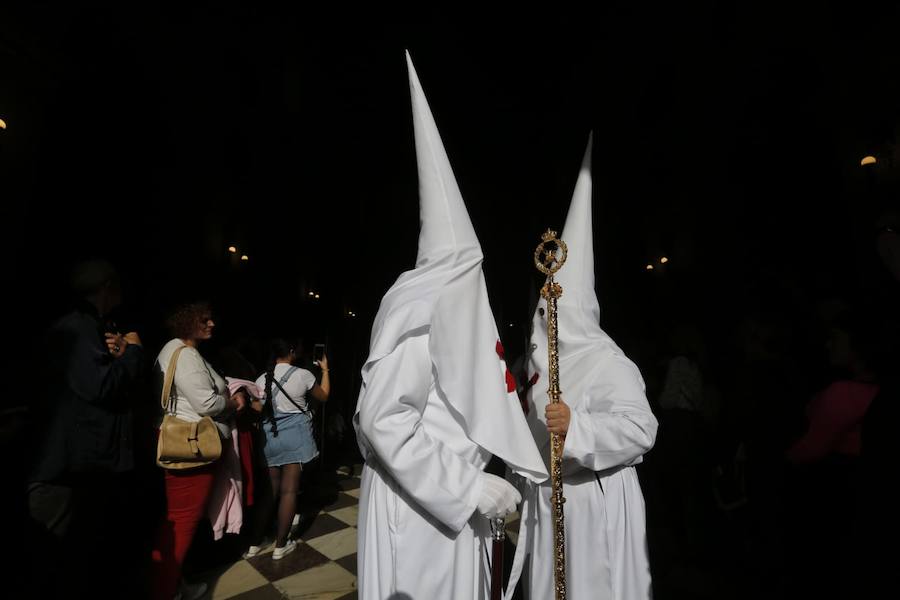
x: 323, y: 567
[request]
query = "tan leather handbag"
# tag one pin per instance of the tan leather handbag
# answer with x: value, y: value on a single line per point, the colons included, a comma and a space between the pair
x: 182, y: 444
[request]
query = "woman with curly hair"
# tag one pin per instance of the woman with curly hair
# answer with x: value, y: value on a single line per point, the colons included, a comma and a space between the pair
x: 198, y: 391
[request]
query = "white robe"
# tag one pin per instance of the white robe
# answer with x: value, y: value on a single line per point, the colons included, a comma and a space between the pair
x: 611, y: 428
x: 418, y: 536
x: 434, y: 404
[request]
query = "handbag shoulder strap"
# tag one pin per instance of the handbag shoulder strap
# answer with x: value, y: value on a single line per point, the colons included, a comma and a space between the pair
x: 170, y: 377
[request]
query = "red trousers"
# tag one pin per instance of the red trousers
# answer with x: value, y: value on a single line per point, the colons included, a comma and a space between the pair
x: 187, y: 494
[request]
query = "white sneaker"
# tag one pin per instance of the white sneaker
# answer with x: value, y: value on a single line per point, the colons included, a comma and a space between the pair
x: 254, y: 550
x: 296, y: 521
x: 191, y: 592
x: 280, y: 553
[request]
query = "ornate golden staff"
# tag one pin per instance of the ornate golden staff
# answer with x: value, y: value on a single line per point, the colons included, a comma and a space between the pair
x: 549, y: 263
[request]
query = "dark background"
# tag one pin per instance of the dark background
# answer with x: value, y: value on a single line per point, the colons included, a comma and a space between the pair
x: 728, y: 138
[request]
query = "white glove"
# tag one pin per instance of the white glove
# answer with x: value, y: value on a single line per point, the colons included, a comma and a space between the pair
x: 498, y: 496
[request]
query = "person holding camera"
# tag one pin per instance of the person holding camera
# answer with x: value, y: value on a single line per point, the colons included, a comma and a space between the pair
x: 288, y: 426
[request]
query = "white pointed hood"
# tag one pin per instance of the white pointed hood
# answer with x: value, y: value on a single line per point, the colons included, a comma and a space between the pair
x: 445, y: 295
x: 577, y: 274
x: 582, y: 343
x: 445, y: 227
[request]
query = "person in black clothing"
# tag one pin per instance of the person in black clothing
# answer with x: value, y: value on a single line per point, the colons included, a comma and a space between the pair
x: 81, y: 415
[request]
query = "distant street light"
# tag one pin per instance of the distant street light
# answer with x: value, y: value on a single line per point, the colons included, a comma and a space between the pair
x: 868, y: 160
x: 232, y: 249
x: 649, y: 267
x: 2, y: 124
x: 317, y: 296
x: 663, y: 260
x: 244, y: 257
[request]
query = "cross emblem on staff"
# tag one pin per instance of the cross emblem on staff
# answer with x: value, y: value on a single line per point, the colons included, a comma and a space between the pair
x: 548, y: 257
x: 549, y: 263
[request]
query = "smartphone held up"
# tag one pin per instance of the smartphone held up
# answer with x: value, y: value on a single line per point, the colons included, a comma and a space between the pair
x: 318, y: 353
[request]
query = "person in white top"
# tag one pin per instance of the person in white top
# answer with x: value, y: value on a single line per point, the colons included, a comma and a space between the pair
x: 434, y: 407
x: 199, y: 392
x: 289, y: 442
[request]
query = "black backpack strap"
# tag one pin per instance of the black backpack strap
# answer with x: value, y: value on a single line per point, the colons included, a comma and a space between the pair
x: 286, y: 395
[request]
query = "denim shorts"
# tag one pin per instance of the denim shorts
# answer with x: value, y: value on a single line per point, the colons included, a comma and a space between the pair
x: 294, y: 442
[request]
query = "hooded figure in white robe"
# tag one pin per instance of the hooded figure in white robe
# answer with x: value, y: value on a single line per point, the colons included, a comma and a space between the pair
x: 610, y: 428
x: 435, y: 406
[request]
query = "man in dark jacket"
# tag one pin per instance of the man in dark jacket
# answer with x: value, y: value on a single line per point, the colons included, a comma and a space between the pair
x: 81, y: 416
